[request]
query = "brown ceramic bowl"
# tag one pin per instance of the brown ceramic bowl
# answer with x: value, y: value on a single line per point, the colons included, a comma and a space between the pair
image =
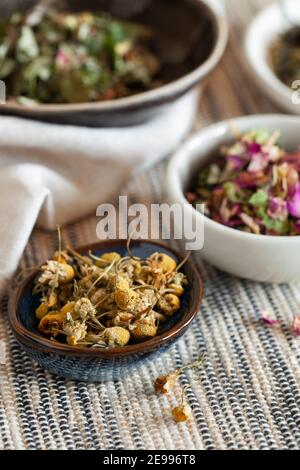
x: 102, y: 364
x: 191, y: 36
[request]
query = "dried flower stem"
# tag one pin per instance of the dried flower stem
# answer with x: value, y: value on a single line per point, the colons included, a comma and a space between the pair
x: 59, y: 242
x: 128, y: 248
x: 183, y: 261
x: 192, y: 365
x: 77, y: 255
x: 19, y: 277
x: 106, y: 270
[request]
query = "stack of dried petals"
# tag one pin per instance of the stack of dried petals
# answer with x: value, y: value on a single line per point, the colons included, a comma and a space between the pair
x: 253, y: 186
x: 106, y: 301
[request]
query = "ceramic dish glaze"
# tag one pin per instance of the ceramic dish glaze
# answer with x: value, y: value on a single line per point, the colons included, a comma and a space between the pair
x: 265, y: 28
x: 96, y: 365
x: 191, y: 36
x: 261, y: 258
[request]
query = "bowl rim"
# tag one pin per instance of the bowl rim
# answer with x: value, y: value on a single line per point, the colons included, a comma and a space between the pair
x: 174, y: 179
x: 176, y: 87
x: 259, y: 65
x: 37, y: 342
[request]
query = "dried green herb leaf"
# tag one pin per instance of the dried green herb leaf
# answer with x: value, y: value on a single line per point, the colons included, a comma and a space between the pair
x: 27, y: 47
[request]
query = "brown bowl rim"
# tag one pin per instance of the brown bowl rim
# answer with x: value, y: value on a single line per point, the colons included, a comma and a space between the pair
x: 35, y: 341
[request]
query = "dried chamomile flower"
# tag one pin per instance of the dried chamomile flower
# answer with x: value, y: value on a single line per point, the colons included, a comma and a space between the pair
x: 52, y: 323
x: 61, y: 256
x: 162, y: 262
x: 67, y: 308
x: 42, y: 310
x: 144, y: 327
x: 116, y: 336
x: 55, y: 273
x: 107, y: 258
x: 176, y: 284
x: 125, y: 297
x: 169, y: 304
x: 165, y: 383
x: 84, y: 309
x: 181, y: 413
x: 175, y: 289
x: 122, y: 319
x: 142, y: 331
x: 75, y: 331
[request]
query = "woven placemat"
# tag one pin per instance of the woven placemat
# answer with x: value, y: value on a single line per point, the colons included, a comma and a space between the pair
x: 247, y: 395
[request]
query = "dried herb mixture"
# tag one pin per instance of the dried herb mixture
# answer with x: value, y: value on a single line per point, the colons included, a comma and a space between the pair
x: 106, y: 301
x: 252, y: 185
x: 285, y: 56
x: 49, y: 56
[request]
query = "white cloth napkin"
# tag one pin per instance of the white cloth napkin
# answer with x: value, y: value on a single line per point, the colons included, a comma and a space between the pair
x: 53, y: 174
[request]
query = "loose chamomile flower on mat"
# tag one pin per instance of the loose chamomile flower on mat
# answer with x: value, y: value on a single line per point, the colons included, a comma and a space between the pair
x: 183, y: 412
x: 165, y: 383
x: 108, y: 300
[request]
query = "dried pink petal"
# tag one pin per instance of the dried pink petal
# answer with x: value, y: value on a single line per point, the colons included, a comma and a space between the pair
x: 191, y: 197
x: 62, y: 61
x: 297, y: 226
x: 225, y: 211
x: 294, y: 203
x: 277, y: 209
x: 254, y: 148
x: 259, y: 162
x: 296, y: 325
x: 234, y: 163
x: 292, y: 180
x: 250, y: 222
x: 268, y: 320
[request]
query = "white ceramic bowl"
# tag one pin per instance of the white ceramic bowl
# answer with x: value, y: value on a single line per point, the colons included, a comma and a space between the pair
x: 258, y: 257
x: 266, y: 26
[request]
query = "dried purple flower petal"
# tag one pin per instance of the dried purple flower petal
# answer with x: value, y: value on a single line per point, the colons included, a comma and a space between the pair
x: 297, y: 226
x: 191, y: 197
x: 294, y: 203
x: 258, y: 162
x: 268, y: 320
x: 234, y: 163
x: 278, y: 208
x: 296, y: 325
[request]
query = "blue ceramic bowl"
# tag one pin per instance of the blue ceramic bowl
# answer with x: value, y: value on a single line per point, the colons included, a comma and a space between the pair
x: 97, y: 365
